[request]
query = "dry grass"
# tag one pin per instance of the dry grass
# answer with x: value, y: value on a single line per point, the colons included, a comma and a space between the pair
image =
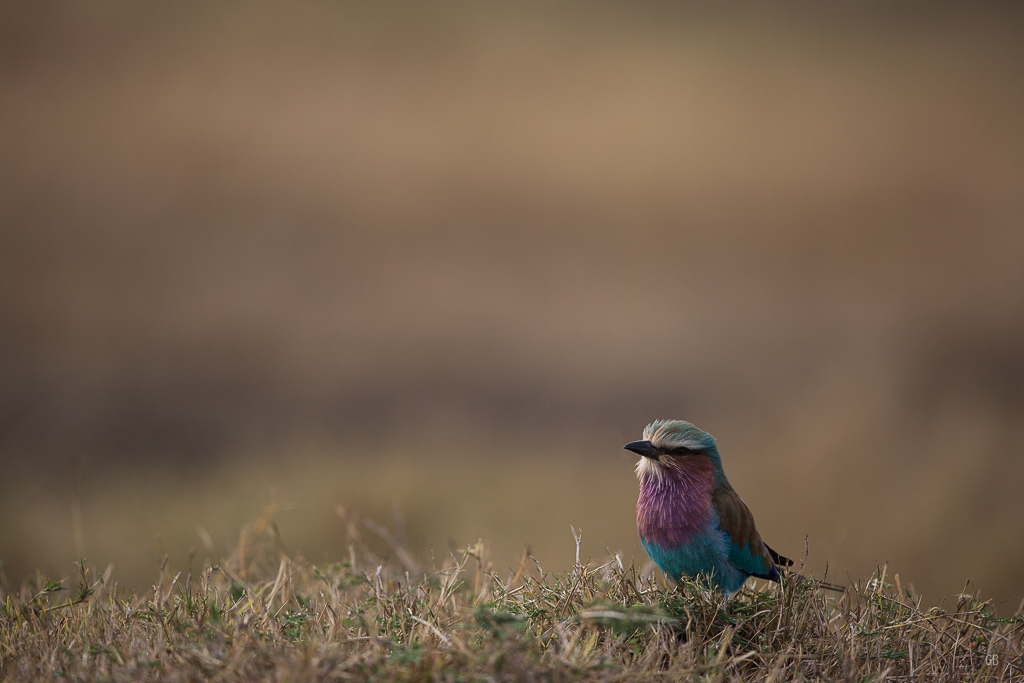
x: 262, y: 615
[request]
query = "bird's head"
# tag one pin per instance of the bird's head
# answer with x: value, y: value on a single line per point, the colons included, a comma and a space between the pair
x: 667, y: 443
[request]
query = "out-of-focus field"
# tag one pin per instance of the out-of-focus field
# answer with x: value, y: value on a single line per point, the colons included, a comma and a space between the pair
x: 457, y: 256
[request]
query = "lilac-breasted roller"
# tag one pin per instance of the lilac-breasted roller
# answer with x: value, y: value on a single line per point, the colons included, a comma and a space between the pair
x: 691, y: 520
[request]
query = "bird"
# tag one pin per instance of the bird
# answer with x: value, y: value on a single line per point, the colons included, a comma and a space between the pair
x: 690, y: 520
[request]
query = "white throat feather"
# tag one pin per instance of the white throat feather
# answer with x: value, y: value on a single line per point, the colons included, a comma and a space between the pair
x: 649, y: 467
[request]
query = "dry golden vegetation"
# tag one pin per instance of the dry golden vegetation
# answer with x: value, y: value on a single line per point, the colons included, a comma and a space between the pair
x: 262, y: 615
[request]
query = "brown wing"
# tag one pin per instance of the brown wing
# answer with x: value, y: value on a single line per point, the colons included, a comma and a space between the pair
x: 747, y: 551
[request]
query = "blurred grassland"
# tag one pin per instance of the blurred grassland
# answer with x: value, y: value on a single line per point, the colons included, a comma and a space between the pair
x: 458, y: 255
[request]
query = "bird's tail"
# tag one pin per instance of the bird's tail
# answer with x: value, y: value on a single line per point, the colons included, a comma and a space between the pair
x: 826, y: 585
x: 779, y: 560
x: 782, y: 561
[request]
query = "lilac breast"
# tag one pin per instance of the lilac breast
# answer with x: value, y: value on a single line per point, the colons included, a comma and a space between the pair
x: 674, y: 507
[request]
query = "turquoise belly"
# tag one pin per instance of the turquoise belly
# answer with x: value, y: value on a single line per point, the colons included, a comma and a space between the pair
x: 704, y: 554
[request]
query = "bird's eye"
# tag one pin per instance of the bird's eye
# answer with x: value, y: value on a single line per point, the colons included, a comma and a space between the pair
x: 683, y: 450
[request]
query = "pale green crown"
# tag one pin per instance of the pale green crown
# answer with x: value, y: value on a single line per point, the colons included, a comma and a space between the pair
x: 669, y: 434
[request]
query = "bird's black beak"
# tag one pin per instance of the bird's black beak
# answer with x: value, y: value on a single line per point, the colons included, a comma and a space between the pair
x: 644, y: 448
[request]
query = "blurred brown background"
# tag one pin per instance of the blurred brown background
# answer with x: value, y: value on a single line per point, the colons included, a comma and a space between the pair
x: 456, y: 255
